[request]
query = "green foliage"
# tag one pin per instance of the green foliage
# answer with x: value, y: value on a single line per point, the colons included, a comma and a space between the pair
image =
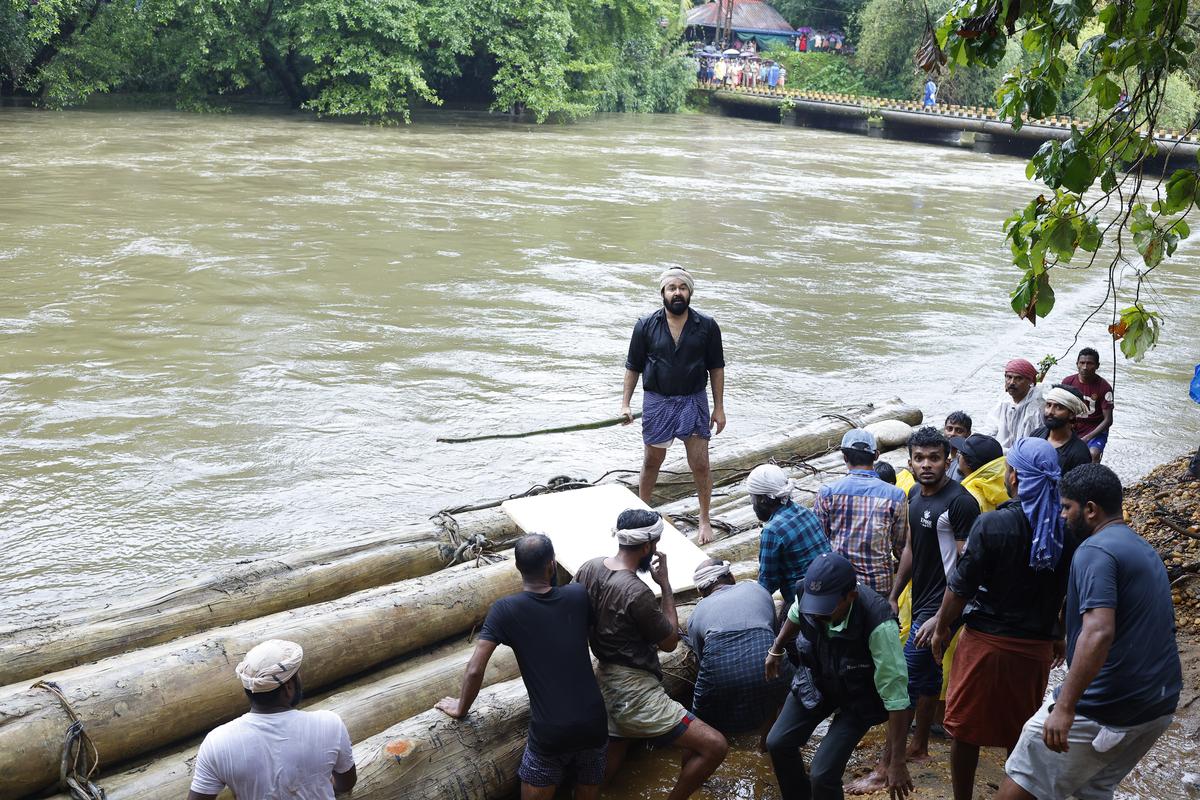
x: 1093, y: 55
x: 820, y: 14
x: 820, y: 72
x: 370, y: 58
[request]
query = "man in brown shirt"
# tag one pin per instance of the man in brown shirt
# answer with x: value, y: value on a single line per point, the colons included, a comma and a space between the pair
x: 628, y: 630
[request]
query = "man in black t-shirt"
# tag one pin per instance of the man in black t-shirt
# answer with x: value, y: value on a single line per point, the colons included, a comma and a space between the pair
x: 940, y: 515
x: 676, y: 351
x: 547, y: 628
x: 1063, y: 405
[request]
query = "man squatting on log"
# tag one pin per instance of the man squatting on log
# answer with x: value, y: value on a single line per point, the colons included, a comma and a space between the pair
x: 547, y: 627
x: 677, y: 350
x: 275, y: 750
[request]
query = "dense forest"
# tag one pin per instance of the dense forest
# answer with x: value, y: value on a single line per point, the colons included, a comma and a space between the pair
x: 376, y: 58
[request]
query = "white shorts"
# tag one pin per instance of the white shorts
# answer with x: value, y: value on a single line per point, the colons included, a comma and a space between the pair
x: 1083, y: 772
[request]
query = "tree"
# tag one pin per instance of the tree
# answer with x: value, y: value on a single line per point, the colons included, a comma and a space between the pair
x: 1127, y: 54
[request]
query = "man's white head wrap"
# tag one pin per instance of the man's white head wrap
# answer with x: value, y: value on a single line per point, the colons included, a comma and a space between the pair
x: 707, y: 576
x: 636, y: 536
x: 676, y: 273
x: 769, y: 480
x: 270, y: 665
x: 1065, y: 399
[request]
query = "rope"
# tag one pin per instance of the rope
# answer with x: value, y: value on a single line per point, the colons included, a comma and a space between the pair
x: 80, y: 758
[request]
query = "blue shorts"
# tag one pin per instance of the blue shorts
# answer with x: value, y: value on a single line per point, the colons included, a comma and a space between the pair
x: 924, y: 671
x: 546, y: 769
x: 1098, y: 442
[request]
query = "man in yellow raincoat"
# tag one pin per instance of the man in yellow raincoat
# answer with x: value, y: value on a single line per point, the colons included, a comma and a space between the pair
x: 981, y: 463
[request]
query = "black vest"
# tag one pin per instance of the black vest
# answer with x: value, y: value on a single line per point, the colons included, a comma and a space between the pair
x: 842, y: 666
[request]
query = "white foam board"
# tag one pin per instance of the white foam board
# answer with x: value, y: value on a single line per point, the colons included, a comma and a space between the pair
x: 580, y: 524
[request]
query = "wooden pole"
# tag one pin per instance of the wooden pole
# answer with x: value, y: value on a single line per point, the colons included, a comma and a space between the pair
x: 584, y: 426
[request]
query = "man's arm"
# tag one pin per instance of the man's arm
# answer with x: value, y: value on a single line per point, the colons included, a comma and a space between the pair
x: 891, y: 682
x: 344, y: 781
x: 658, y: 571
x: 1104, y: 425
x: 472, y: 681
x: 194, y: 795
x: 769, y: 570
x: 1091, y: 651
x: 903, y: 574
x: 787, y: 634
x: 935, y: 633
x: 631, y: 380
x: 717, y: 376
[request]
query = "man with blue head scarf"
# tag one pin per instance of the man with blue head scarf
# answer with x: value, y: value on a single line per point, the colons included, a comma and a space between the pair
x: 1008, y: 586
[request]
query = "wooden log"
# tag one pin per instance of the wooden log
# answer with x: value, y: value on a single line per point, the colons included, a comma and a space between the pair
x: 143, y: 700
x: 732, y: 461
x: 250, y: 590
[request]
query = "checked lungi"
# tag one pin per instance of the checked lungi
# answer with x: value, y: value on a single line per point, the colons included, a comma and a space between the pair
x: 669, y: 417
x: 732, y: 692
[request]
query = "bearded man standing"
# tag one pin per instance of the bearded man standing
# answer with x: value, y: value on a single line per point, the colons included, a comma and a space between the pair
x: 677, y: 350
x: 1063, y: 405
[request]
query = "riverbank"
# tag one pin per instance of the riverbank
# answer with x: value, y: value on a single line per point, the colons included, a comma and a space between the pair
x: 1158, y: 506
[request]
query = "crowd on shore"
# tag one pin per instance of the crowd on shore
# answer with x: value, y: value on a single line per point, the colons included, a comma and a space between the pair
x: 746, y: 72
x: 946, y: 590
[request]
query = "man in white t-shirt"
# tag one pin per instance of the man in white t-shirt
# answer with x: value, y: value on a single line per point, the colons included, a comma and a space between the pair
x: 1019, y: 413
x: 275, y: 751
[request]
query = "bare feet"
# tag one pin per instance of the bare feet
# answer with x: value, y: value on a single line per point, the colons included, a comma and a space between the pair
x: 917, y: 752
x: 704, y: 535
x: 874, y: 781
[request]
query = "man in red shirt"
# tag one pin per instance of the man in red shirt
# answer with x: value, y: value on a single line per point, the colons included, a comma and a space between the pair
x: 1093, y: 426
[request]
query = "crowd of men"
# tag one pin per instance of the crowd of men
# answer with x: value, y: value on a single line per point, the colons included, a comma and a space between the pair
x: 960, y: 580
x: 741, y: 71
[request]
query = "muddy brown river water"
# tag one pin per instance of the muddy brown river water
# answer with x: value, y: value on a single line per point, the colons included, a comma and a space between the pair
x: 224, y: 337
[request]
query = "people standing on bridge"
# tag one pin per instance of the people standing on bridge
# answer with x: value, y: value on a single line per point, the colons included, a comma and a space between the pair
x: 1092, y: 426
x: 730, y: 632
x: 1124, y: 676
x: 864, y: 518
x: 957, y: 425
x: 627, y: 630
x: 1020, y: 412
x: 1062, y: 406
x: 547, y: 628
x: 1011, y: 580
x: 852, y: 668
x: 940, y: 515
x: 677, y: 351
x: 930, y: 95
x: 719, y: 72
x: 275, y: 749
x: 773, y: 75
x: 791, y: 536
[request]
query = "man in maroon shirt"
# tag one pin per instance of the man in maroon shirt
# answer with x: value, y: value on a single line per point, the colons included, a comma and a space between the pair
x: 1093, y: 426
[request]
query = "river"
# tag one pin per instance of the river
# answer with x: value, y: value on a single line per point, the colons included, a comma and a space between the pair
x: 230, y: 336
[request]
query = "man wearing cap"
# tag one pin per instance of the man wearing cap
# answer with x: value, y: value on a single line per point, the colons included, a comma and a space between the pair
x: 547, y: 627
x: 627, y: 630
x: 791, y: 535
x: 1020, y: 412
x: 677, y: 350
x: 981, y: 464
x: 1063, y: 405
x: 865, y: 518
x: 1011, y: 580
x: 274, y: 750
x: 730, y: 632
x: 853, y: 667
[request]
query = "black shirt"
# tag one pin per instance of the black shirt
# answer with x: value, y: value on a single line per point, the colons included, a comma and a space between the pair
x: 1071, y: 454
x: 935, y: 525
x: 675, y: 370
x: 1007, y: 596
x: 549, y: 634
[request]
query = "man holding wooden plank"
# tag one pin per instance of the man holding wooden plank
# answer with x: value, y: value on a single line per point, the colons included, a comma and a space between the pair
x: 677, y: 350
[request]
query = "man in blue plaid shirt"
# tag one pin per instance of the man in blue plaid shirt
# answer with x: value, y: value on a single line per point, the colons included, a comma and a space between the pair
x: 792, y: 536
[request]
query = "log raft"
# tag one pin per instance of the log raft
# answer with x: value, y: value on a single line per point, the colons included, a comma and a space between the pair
x: 273, y: 585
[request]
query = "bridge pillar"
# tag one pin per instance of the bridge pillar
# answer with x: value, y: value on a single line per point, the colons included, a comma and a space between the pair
x: 978, y: 142
x: 875, y: 127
